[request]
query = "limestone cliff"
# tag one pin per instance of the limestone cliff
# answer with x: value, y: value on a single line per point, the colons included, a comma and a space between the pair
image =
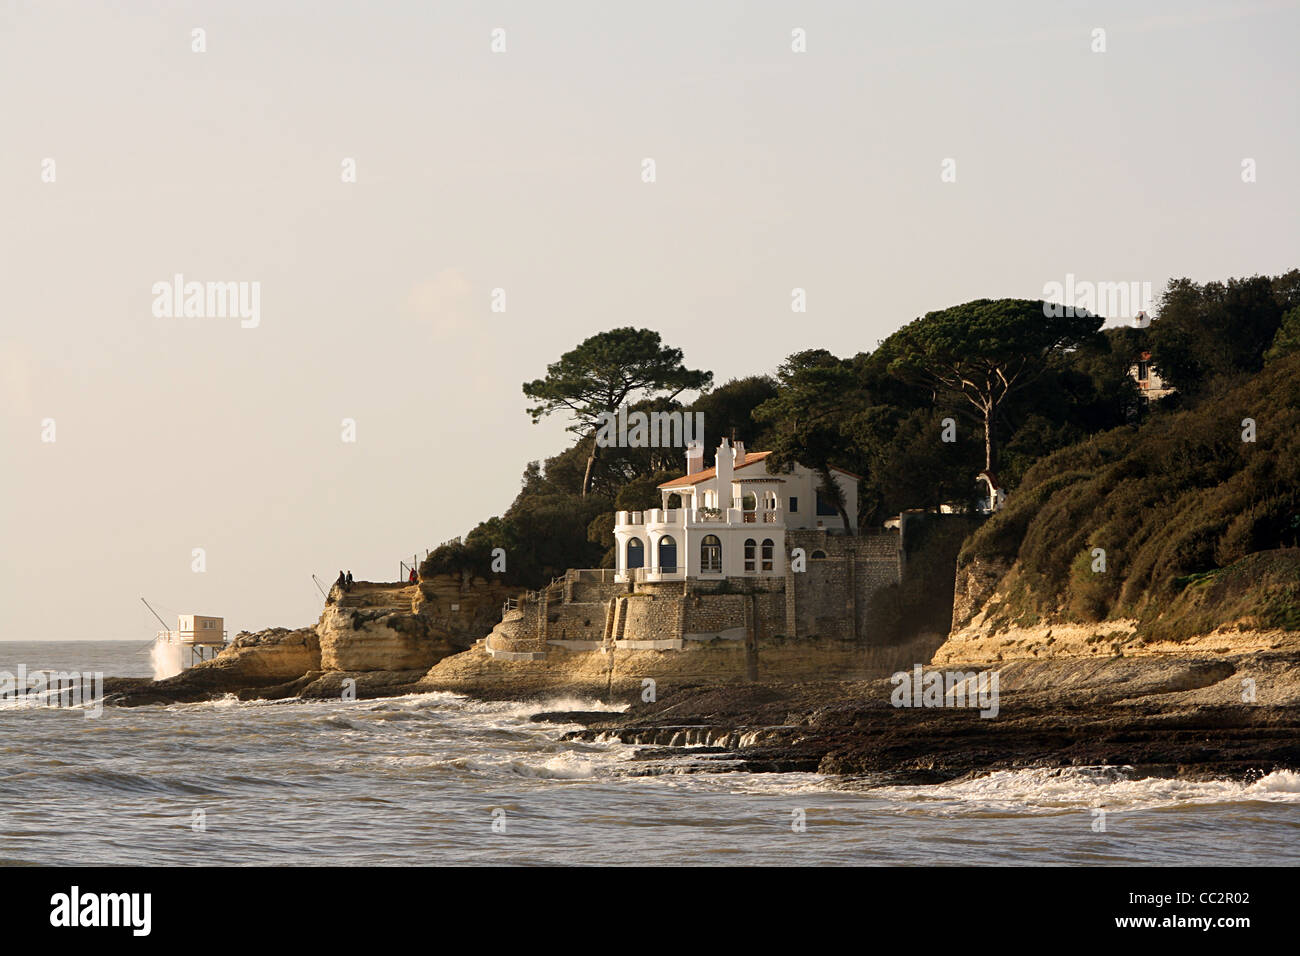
x: 382, y: 627
x: 276, y: 652
x: 997, y: 619
x: 1180, y: 534
x: 383, y: 636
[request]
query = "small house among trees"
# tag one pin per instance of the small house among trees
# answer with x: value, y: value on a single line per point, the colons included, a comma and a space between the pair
x: 1150, y: 385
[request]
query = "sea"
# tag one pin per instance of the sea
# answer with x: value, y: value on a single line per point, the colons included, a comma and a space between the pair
x: 439, y: 779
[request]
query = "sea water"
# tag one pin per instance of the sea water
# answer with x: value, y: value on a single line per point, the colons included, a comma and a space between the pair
x: 441, y: 779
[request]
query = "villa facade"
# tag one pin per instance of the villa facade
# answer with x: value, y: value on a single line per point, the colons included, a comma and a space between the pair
x: 726, y: 521
x: 1150, y: 385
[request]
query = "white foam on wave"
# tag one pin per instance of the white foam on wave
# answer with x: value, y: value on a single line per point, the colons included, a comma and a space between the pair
x: 551, y: 705
x: 569, y: 765
x: 565, y: 766
x: 50, y: 699
x: 1277, y: 782
x: 225, y: 702
x: 1007, y: 792
x: 25, y: 702
x: 1111, y: 788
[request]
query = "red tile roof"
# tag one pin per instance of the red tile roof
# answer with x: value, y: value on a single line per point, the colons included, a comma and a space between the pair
x: 753, y: 458
x: 686, y: 481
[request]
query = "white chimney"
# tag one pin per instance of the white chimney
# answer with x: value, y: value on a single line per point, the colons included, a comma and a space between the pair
x: 694, y: 457
x: 738, y: 453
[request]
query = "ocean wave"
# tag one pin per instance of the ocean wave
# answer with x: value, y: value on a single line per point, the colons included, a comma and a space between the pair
x: 559, y: 767
x: 101, y: 778
x: 230, y: 702
x: 1072, y: 788
x: 547, y: 706
x: 568, y: 765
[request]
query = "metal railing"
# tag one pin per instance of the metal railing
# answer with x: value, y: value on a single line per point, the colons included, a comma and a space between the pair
x: 643, y: 574
x: 207, y: 636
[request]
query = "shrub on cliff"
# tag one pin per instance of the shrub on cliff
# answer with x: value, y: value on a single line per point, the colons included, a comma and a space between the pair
x: 1185, y: 494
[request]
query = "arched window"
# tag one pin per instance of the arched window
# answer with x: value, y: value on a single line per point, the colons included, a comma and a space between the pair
x: 817, y: 555
x: 750, y: 547
x: 768, y: 548
x: 747, y: 505
x: 674, y: 501
x: 711, y: 555
x: 635, y: 553
x: 667, y: 554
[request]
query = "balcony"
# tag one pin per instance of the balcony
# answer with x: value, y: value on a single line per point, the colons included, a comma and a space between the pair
x: 656, y: 516
x: 659, y: 518
x: 651, y: 575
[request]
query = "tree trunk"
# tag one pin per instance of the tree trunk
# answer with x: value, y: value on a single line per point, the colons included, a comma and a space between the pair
x: 844, y: 516
x: 834, y: 494
x: 989, y: 445
x: 591, y: 465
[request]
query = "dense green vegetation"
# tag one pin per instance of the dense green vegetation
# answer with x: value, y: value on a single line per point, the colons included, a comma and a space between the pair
x: 1175, y: 503
x: 1170, y: 491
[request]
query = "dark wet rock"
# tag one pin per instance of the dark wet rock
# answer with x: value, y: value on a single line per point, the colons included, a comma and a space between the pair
x: 852, y: 729
x: 362, y: 685
x: 570, y: 717
x: 210, y: 682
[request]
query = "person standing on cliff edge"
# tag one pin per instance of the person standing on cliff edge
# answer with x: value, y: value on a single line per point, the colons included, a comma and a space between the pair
x: 349, y: 584
x: 342, y: 582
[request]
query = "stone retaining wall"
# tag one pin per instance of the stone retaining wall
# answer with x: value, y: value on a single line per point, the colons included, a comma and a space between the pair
x: 832, y: 599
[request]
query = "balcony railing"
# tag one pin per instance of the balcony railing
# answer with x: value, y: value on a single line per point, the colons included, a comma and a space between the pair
x: 692, y: 516
x: 650, y: 574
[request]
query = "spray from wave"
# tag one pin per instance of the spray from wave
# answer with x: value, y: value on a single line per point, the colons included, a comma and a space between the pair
x: 166, y: 659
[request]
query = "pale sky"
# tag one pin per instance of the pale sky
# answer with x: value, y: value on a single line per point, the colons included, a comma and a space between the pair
x: 522, y: 171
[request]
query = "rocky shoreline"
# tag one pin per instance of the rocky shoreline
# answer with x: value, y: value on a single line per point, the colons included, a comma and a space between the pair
x: 1161, y: 715
x: 848, y: 729
x: 1183, y: 715
x: 1225, y: 703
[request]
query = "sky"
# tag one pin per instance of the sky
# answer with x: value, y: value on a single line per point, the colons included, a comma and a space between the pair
x: 909, y: 157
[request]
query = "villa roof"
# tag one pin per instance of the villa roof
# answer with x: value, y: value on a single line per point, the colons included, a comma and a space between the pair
x: 752, y: 458
x: 685, y: 481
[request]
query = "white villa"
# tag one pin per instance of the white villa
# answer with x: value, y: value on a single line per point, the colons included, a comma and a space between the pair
x: 1150, y: 385
x: 726, y: 521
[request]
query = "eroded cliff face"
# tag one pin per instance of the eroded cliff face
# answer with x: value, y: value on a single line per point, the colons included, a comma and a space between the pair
x: 617, y: 672
x: 976, y: 584
x: 991, y: 626
x: 276, y: 652
x: 382, y: 627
